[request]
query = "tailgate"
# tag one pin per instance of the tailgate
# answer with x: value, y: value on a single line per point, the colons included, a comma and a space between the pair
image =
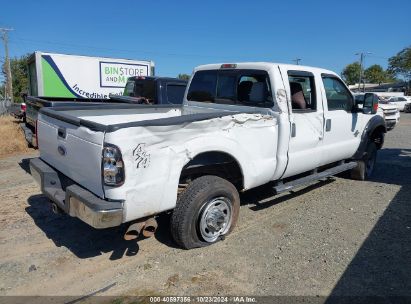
x: 73, y: 150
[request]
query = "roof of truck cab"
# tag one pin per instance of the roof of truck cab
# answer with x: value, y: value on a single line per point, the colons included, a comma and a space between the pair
x: 264, y: 66
x: 158, y: 78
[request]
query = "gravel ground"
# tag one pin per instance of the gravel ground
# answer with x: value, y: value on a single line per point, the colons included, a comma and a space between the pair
x: 339, y: 237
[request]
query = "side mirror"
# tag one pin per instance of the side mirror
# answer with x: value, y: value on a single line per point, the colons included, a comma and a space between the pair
x: 370, y: 103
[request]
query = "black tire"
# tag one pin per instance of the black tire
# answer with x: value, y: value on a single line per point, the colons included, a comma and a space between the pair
x: 365, y: 167
x: 193, y: 205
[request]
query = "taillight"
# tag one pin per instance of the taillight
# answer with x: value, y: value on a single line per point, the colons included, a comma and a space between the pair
x: 375, y: 107
x: 228, y: 66
x: 112, y: 166
x: 23, y: 107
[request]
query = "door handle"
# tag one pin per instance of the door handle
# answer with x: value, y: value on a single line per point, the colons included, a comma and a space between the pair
x: 328, y: 125
x: 293, y: 130
x: 61, y: 132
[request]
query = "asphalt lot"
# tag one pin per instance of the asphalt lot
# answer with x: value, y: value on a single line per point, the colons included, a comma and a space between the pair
x: 339, y: 237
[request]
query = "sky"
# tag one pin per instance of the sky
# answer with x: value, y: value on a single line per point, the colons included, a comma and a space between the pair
x: 179, y: 35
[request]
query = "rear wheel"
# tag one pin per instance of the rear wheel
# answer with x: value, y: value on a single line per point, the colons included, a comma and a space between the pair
x: 205, y: 212
x: 365, y: 167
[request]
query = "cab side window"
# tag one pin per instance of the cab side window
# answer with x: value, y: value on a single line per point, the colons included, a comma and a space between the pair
x: 302, y: 89
x: 175, y: 93
x: 338, y: 96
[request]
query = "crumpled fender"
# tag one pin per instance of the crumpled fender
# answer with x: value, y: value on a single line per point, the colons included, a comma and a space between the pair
x: 374, y: 123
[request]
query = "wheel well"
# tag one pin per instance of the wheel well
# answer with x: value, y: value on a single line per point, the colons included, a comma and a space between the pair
x: 377, y: 136
x: 215, y: 163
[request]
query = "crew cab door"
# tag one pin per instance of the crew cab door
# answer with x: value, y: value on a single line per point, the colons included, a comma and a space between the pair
x: 307, y: 121
x: 342, y: 132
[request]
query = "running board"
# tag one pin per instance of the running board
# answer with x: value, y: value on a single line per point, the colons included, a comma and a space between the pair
x: 281, y: 187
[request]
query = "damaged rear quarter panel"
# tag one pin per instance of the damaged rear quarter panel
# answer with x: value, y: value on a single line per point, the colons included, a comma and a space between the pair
x: 154, y: 157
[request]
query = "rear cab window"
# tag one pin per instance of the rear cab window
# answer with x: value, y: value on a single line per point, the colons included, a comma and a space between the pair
x: 141, y: 88
x: 232, y: 86
x: 145, y: 88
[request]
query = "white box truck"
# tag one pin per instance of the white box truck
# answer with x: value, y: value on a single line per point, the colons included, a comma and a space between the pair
x: 73, y: 76
x: 66, y: 80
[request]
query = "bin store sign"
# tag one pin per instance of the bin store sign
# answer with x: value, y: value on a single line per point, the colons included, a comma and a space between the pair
x: 88, y: 77
x: 114, y: 74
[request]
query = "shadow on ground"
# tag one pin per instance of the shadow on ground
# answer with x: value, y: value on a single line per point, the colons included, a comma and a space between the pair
x: 81, y: 239
x: 264, y: 197
x: 382, y: 265
x: 85, y: 241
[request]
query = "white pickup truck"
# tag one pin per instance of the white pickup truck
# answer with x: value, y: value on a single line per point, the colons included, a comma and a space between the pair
x: 240, y: 126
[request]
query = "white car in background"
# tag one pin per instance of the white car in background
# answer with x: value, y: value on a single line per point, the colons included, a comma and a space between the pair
x: 399, y: 101
x: 388, y: 111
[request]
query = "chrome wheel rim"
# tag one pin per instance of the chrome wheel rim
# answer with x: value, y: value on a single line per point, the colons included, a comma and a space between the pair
x: 215, y: 219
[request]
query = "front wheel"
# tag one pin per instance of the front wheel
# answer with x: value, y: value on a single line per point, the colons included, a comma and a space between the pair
x: 205, y: 212
x: 365, y: 167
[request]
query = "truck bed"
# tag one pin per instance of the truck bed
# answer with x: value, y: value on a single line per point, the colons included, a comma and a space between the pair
x: 34, y: 104
x: 77, y: 134
x: 111, y: 117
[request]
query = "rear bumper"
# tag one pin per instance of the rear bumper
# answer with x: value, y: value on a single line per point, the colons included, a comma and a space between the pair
x: 75, y: 200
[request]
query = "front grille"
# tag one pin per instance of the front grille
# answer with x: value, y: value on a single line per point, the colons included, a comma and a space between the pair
x: 390, y: 112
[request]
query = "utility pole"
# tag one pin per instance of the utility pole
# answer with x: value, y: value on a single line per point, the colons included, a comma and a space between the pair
x: 297, y: 61
x: 362, y: 55
x: 9, y: 83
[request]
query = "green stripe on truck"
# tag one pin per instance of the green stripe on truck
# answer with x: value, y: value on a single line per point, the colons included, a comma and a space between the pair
x: 52, y: 84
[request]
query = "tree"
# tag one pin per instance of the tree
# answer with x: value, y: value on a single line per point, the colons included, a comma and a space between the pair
x: 2, y: 88
x: 19, y: 75
x: 183, y: 76
x: 400, y: 64
x: 375, y: 74
x: 351, y: 73
x: 390, y: 76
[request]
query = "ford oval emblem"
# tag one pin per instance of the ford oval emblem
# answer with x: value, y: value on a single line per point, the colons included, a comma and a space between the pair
x: 62, y: 150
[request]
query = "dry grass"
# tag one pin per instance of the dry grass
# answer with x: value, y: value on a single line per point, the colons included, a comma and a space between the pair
x: 12, y: 139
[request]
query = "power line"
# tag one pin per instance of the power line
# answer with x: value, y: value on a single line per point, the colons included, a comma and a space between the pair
x: 362, y: 55
x: 134, y: 51
x: 18, y: 40
x: 380, y: 57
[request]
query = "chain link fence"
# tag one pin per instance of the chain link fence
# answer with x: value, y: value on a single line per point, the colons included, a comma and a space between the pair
x: 6, y: 106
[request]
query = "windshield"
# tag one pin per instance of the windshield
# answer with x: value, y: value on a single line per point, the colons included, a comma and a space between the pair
x: 382, y: 100
x: 235, y: 87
